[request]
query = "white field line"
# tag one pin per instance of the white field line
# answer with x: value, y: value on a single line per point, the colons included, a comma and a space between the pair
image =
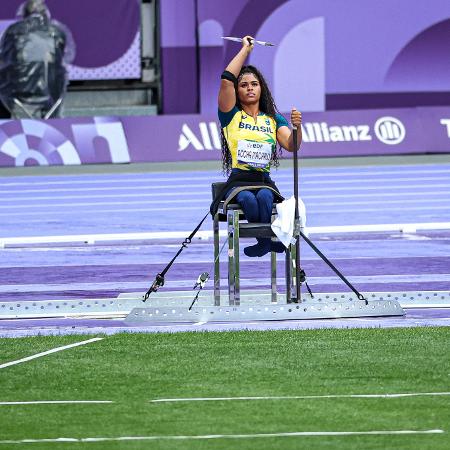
x: 58, y: 402
x: 207, y: 234
x: 225, y: 436
x: 298, y: 397
x: 308, y: 397
x: 210, y: 176
x: 48, y: 352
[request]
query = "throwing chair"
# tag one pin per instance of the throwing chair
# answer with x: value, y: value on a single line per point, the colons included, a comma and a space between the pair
x: 232, y: 214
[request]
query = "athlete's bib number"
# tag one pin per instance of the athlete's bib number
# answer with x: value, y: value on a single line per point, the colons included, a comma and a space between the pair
x: 254, y: 154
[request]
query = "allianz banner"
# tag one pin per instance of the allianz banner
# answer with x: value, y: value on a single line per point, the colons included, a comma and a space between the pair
x: 197, y: 137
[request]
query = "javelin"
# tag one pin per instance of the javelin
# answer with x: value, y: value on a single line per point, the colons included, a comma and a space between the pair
x: 236, y: 39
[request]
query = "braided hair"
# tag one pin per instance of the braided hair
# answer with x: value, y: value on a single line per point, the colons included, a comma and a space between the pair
x: 266, y: 105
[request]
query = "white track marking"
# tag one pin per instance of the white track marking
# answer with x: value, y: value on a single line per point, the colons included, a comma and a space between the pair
x: 113, y: 188
x: 369, y: 195
x: 43, y: 210
x: 202, y: 200
x: 283, y: 173
x: 227, y: 436
x: 48, y: 352
x: 111, y: 181
x: 115, y: 210
x: 164, y: 235
x: 214, y: 175
x: 32, y: 198
x: 377, y: 195
x: 367, y: 202
x: 374, y: 180
x: 58, y: 402
x: 128, y: 202
x: 207, y: 187
x: 176, y: 209
x: 328, y: 174
x: 299, y: 397
x: 375, y: 209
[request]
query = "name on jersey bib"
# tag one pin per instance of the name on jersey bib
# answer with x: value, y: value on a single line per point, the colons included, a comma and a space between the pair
x: 255, y: 154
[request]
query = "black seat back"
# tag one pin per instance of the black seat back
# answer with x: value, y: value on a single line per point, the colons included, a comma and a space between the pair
x: 216, y: 187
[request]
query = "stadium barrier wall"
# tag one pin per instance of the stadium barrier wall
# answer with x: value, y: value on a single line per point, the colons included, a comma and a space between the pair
x: 132, y: 139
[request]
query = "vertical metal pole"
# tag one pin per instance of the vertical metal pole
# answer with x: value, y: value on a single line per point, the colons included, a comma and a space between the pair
x: 288, y: 274
x: 231, y: 277
x: 273, y: 270
x: 298, y: 298
x: 216, y: 261
x: 237, y: 269
x: 273, y: 276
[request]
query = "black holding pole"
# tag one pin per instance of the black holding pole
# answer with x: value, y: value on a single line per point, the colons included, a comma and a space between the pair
x: 298, y: 298
x: 299, y: 233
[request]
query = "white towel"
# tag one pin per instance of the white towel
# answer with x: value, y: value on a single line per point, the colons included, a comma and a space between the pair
x: 283, y: 225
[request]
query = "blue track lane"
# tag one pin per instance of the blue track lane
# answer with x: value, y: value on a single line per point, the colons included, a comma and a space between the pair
x: 112, y: 203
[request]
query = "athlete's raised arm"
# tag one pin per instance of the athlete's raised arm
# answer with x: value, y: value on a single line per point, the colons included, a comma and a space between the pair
x: 227, y: 94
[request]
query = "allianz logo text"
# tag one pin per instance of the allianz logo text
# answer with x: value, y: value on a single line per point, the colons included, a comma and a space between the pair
x: 388, y: 130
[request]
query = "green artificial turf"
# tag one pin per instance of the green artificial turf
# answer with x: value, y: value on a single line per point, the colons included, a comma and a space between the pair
x: 132, y: 369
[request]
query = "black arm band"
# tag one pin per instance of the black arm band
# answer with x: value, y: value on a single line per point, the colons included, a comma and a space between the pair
x: 226, y: 75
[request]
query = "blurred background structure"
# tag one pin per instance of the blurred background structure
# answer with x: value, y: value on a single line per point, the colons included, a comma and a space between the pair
x: 34, y: 52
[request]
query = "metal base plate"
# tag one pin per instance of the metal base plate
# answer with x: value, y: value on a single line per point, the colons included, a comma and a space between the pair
x: 249, y: 313
x: 407, y: 299
x: 257, y: 305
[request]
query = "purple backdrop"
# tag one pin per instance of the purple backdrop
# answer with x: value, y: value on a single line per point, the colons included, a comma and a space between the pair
x: 106, y: 35
x: 325, y: 49
x: 196, y: 137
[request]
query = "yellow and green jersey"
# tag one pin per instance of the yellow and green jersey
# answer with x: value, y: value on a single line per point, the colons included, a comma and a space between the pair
x: 251, y: 143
